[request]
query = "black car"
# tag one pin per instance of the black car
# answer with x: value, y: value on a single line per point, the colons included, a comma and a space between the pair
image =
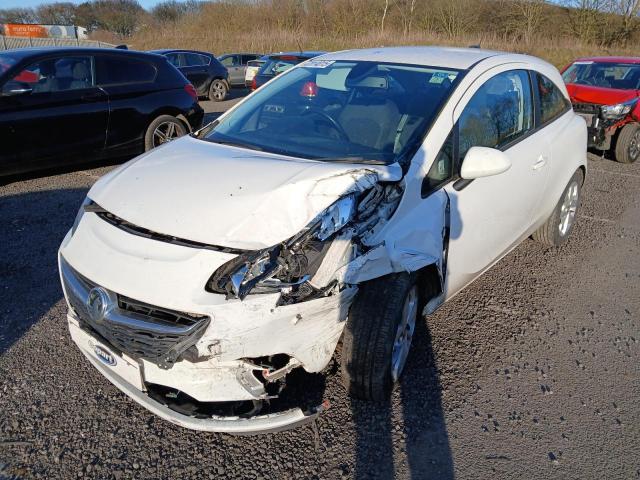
x: 277, y: 63
x: 65, y: 105
x: 203, y: 70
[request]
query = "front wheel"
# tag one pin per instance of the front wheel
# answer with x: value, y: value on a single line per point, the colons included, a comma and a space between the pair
x: 628, y: 143
x: 163, y: 129
x: 218, y: 90
x: 558, y: 226
x: 378, y: 335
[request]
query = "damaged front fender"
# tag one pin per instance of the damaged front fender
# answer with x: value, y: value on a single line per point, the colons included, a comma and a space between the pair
x: 411, y: 243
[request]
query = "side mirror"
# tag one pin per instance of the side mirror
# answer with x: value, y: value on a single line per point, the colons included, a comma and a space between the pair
x: 484, y: 162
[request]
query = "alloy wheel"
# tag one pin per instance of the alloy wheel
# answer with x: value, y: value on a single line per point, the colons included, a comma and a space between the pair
x: 219, y: 90
x: 634, y: 146
x: 568, y: 208
x: 404, y: 333
x: 165, y: 132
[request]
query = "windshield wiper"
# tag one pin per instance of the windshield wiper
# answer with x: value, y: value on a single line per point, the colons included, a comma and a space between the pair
x: 237, y: 144
x: 367, y: 161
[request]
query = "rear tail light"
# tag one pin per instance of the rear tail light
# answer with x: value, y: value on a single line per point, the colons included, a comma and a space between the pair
x: 191, y: 90
x: 254, y: 84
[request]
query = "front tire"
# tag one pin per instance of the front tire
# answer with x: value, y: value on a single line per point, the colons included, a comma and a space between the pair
x: 378, y: 335
x: 163, y: 129
x: 218, y: 90
x: 558, y: 226
x: 628, y: 143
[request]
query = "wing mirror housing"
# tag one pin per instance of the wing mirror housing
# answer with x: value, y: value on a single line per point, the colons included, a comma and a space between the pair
x: 484, y: 162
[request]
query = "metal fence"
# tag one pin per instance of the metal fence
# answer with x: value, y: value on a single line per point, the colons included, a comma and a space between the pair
x: 7, y: 43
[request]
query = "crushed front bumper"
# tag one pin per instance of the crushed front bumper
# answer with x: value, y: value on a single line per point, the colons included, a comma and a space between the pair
x: 218, y: 365
x: 234, y: 425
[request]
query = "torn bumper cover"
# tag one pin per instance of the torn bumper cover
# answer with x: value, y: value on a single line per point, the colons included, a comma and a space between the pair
x: 216, y: 423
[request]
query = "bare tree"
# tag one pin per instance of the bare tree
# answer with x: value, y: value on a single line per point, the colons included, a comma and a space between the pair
x: 454, y: 18
x: 18, y: 15
x: 59, y: 13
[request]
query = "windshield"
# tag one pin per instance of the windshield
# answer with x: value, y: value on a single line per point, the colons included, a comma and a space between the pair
x: 342, y: 111
x: 6, y: 62
x: 621, y: 76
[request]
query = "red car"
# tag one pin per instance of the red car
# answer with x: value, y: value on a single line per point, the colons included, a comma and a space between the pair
x: 605, y: 91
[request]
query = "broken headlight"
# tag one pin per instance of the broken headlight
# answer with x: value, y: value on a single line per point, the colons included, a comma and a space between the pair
x: 613, y: 112
x: 288, y: 265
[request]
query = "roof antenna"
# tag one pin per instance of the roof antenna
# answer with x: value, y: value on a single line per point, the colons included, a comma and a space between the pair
x: 299, y: 45
x: 474, y: 46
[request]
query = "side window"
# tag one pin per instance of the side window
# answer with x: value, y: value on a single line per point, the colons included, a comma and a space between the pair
x: 247, y: 58
x: 229, y: 61
x: 442, y: 169
x: 193, y: 59
x: 500, y: 112
x: 121, y: 71
x: 204, y: 60
x: 552, y: 102
x: 174, y: 59
x: 55, y: 75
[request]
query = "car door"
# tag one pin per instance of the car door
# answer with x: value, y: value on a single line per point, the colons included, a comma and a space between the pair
x: 196, y: 69
x: 233, y: 65
x: 52, y: 110
x: 134, y: 94
x: 491, y: 215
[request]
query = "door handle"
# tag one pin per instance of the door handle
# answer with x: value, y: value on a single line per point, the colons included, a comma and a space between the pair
x: 541, y: 162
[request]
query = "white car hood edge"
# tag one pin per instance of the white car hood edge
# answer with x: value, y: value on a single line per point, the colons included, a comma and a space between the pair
x: 228, y: 196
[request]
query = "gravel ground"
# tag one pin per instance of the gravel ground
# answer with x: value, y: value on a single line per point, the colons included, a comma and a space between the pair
x: 531, y: 371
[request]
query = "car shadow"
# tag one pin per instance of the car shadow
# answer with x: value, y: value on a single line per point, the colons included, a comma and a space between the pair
x: 417, y: 445
x: 33, y: 226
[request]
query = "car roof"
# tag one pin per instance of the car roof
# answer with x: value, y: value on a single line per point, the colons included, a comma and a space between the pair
x: 37, y: 51
x: 446, y: 57
x: 609, y: 59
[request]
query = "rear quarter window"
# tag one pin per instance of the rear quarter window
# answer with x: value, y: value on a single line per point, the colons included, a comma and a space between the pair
x: 124, y: 71
x: 552, y: 101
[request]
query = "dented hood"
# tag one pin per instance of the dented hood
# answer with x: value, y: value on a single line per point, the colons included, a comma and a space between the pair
x: 227, y: 196
x: 599, y: 95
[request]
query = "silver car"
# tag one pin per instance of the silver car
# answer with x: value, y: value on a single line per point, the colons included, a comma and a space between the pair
x: 236, y: 65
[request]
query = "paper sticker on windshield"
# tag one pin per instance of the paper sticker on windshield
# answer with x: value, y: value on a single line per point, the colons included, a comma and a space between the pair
x: 319, y: 63
x: 438, y: 77
x: 584, y: 62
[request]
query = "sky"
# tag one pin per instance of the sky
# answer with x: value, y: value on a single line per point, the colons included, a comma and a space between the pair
x: 34, y: 3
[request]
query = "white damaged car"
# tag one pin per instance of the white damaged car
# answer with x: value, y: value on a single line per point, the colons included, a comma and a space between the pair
x: 342, y: 201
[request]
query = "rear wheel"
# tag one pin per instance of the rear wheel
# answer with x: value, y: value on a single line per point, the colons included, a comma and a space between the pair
x: 378, y: 335
x: 163, y: 129
x: 558, y: 226
x: 628, y: 143
x: 218, y: 90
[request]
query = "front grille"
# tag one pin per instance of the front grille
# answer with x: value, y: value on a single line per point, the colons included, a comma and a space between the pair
x: 157, y: 313
x: 140, y: 330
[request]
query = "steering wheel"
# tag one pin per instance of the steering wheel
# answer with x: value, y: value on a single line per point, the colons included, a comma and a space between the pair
x: 332, y: 122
